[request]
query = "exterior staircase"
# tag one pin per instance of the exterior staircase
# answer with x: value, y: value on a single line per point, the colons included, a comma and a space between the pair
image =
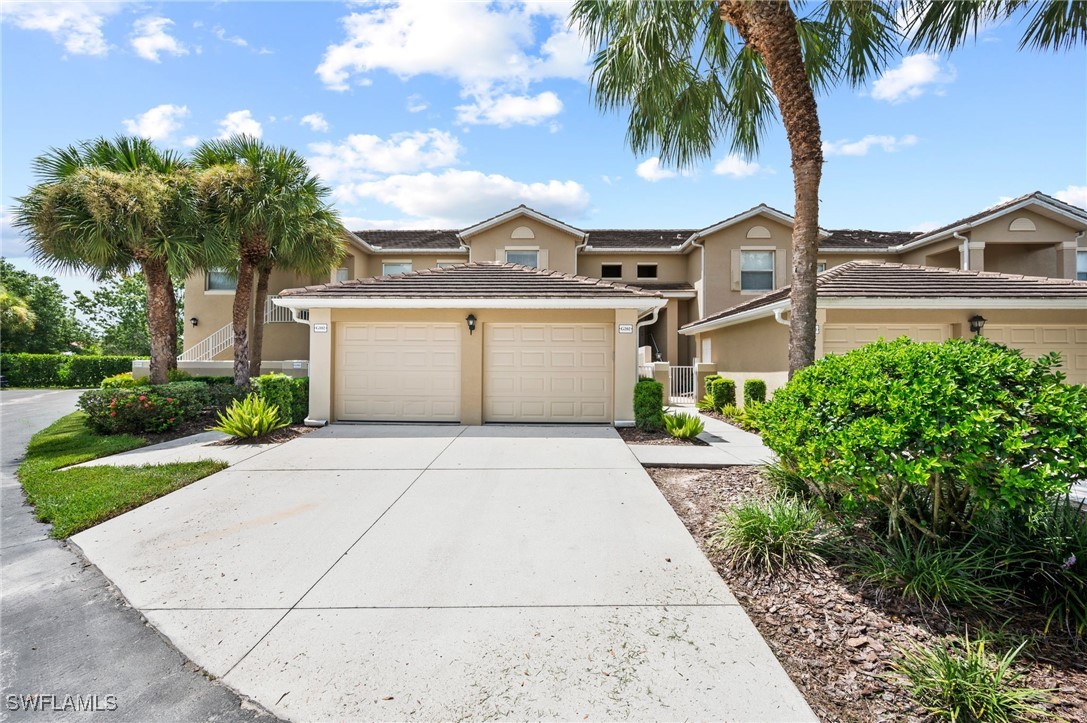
x: 222, y: 339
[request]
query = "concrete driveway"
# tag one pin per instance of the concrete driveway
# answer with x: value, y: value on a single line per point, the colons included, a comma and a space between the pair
x: 424, y: 572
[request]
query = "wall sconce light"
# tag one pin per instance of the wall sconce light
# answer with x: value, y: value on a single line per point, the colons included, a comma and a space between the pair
x: 471, y: 319
x: 194, y: 321
x: 977, y: 323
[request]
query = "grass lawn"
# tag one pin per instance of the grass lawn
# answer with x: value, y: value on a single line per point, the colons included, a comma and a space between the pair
x: 76, y: 499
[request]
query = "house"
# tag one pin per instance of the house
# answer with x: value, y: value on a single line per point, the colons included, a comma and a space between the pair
x: 525, y: 318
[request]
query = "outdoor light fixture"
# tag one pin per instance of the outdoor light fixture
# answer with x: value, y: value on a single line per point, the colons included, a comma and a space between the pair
x: 471, y: 319
x: 194, y: 321
x: 977, y: 323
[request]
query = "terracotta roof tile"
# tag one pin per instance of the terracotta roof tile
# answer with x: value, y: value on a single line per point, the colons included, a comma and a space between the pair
x: 439, y: 240
x: 861, y: 238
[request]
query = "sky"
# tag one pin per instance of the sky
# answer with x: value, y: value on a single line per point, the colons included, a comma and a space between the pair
x: 440, y: 114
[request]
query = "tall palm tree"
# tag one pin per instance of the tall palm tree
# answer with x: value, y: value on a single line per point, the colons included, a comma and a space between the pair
x: 696, y: 73
x: 264, y: 201
x: 104, y: 207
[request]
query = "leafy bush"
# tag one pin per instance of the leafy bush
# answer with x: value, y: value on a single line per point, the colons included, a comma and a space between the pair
x: 723, y: 392
x: 931, y: 433
x: 705, y: 404
x: 60, y: 370
x: 708, y: 383
x: 178, y: 375
x: 124, y: 380
x: 249, y: 418
x: 766, y: 535
x: 152, y: 409
x: 277, y: 390
x: 649, y: 405
x: 683, y: 425
x: 745, y: 417
x: 89, y: 371
x: 754, y: 391
x: 964, y: 682
x: 299, y: 399
x: 785, y: 480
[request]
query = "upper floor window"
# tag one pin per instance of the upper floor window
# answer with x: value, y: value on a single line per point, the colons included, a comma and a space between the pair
x: 820, y: 267
x: 1081, y: 265
x: 524, y: 258
x: 611, y: 271
x: 341, y: 274
x: 647, y: 271
x: 756, y: 270
x: 220, y: 280
x: 393, y: 268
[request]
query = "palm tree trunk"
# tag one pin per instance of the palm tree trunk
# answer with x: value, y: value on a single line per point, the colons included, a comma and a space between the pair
x: 172, y: 363
x: 161, y: 316
x: 770, y: 28
x: 260, y: 300
x: 243, y: 298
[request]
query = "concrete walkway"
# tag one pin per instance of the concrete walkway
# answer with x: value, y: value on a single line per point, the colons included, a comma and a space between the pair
x: 440, y: 572
x: 64, y: 629
x: 194, y: 448
x: 727, y: 446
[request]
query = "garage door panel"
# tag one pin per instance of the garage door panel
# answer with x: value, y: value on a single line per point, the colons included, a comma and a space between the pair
x: 1034, y: 341
x: 840, y: 338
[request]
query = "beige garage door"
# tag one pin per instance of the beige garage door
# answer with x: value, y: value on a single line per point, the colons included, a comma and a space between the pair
x: 1070, y: 341
x: 398, y: 372
x: 547, y: 373
x: 840, y: 338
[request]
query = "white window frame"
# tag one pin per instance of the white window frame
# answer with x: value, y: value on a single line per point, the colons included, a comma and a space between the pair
x: 395, y: 262
x: 523, y: 250
x: 773, y: 251
x: 618, y: 265
x: 638, y: 271
x: 820, y: 265
x: 1081, y: 263
x: 341, y: 272
x: 207, y: 282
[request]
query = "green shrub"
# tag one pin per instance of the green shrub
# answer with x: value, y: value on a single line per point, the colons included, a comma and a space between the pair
x: 708, y: 383
x: 89, y: 371
x: 723, y: 392
x: 124, y: 380
x: 745, y: 417
x: 152, y: 409
x: 178, y: 375
x: 965, y: 682
x: 60, y: 370
x: 770, y: 534
x: 754, y: 391
x: 931, y: 433
x: 785, y: 480
x: 683, y: 426
x: 299, y: 399
x: 649, y: 405
x: 277, y: 390
x: 705, y: 404
x: 249, y: 418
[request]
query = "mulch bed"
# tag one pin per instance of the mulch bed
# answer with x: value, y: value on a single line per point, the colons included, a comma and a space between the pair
x: 835, y: 638
x: 633, y: 435
x: 280, y: 435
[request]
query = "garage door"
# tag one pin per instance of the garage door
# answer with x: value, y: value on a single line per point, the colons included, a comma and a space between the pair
x: 547, y: 373
x: 398, y: 372
x: 840, y: 338
x: 1070, y: 341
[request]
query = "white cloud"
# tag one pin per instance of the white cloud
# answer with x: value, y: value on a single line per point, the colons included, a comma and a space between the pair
x: 316, y: 121
x: 890, y: 144
x: 220, y: 32
x: 240, y: 122
x: 416, y: 103
x: 462, y: 197
x: 150, y: 39
x: 1075, y: 195
x: 913, y: 76
x: 75, y: 25
x: 507, y: 110
x: 190, y: 141
x: 361, y: 157
x: 926, y: 226
x: 650, y: 169
x: 736, y: 166
x: 158, y: 123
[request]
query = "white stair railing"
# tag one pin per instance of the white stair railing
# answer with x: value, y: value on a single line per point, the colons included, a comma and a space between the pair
x: 208, y: 348
x: 276, y: 314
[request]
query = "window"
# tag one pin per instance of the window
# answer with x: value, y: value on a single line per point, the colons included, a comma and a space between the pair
x: 611, y: 271
x: 392, y: 268
x: 820, y: 267
x: 524, y: 258
x: 221, y: 280
x: 341, y: 274
x: 1081, y: 265
x: 647, y: 271
x: 756, y: 270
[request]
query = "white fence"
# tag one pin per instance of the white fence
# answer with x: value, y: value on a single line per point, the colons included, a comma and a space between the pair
x: 681, y: 383
x: 645, y: 371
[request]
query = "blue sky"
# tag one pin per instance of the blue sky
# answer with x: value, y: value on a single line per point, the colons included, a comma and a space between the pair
x: 440, y: 114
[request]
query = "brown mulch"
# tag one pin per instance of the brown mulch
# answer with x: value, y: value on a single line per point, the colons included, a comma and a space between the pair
x: 633, y: 435
x: 836, y: 639
x: 280, y: 435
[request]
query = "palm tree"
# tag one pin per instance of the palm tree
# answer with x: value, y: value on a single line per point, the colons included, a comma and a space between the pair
x: 264, y: 201
x: 106, y: 206
x: 697, y: 72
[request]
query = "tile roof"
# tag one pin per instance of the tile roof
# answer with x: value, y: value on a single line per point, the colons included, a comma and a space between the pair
x: 439, y: 240
x: 474, y: 280
x: 1037, y: 195
x: 876, y: 280
x: 860, y: 238
x: 622, y: 238
x: 663, y: 286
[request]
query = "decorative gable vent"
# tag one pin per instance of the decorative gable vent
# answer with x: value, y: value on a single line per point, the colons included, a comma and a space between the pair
x: 1022, y: 224
x: 758, y: 232
x: 522, y: 232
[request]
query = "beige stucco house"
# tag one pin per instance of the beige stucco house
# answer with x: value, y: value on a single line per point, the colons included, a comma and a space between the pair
x: 524, y: 318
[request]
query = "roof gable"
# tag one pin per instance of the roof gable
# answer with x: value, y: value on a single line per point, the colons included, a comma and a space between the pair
x: 519, y: 212
x: 1037, y: 201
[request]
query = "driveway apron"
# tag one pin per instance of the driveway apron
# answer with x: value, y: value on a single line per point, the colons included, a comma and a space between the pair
x: 421, y: 572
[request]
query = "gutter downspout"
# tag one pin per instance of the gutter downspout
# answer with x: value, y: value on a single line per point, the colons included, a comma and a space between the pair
x: 965, y: 250
x: 652, y: 319
x: 778, y: 319
x: 297, y: 319
x: 578, y: 248
x: 702, y: 275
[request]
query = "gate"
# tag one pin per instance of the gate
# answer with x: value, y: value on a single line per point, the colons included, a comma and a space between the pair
x: 681, y: 385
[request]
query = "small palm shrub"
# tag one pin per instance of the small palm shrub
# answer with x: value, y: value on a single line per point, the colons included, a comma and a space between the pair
x: 705, y: 404
x: 754, y: 391
x: 649, y: 405
x: 683, y: 426
x: 770, y: 534
x: 249, y: 418
x: 785, y: 480
x: 745, y: 417
x: 965, y: 682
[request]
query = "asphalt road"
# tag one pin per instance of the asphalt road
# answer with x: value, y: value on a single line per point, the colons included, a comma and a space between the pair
x: 64, y: 630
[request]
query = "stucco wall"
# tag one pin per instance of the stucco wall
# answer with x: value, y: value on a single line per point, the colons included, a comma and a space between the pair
x: 719, y: 269
x: 559, y: 245
x: 671, y: 268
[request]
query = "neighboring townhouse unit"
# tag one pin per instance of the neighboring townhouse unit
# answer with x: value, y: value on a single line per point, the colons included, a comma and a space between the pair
x: 558, y: 313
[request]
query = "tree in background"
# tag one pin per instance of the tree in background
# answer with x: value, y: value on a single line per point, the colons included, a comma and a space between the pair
x: 116, y: 313
x: 36, y: 316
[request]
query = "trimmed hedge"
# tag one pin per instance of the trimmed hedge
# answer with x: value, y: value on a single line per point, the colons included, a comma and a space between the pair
x: 277, y: 390
x: 754, y: 391
x: 61, y: 370
x: 723, y: 392
x: 152, y: 409
x: 124, y: 380
x: 710, y: 378
x: 649, y: 405
x: 299, y: 399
